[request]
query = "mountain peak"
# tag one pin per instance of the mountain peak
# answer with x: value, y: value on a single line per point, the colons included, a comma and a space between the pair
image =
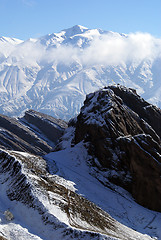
x: 120, y: 129
x: 77, y: 29
x: 10, y: 40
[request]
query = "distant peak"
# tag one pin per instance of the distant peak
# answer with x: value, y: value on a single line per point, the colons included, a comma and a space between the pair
x: 80, y: 27
x: 77, y: 29
x: 10, y: 40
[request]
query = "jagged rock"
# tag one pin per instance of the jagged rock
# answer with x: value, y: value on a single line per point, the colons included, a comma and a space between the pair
x: 123, y: 132
x: 148, y: 112
x: 35, y: 133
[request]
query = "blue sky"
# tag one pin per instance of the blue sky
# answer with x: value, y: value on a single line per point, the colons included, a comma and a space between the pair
x: 34, y: 18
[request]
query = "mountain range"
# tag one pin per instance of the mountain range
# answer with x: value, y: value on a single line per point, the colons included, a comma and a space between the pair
x: 80, y: 136
x: 53, y: 73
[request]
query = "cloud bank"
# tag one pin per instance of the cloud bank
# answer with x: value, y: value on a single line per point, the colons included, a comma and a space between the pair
x: 115, y: 50
x: 105, y: 49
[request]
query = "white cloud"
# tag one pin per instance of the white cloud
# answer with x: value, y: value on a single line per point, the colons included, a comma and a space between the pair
x: 109, y: 50
x: 114, y: 50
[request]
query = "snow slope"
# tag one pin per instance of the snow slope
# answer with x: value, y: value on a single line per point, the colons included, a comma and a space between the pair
x: 45, y: 206
x: 73, y: 164
x: 53, y: 74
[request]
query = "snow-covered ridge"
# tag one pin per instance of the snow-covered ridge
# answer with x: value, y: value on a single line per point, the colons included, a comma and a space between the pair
x: 10, y: 40
x: 50, y: 202
x: 53, y: 73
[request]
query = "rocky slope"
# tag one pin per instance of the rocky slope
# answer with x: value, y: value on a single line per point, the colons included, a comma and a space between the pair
x: 112, y: 153
x: 50, y: 205
x: 53, y: 73
x: 112, y: 147
x: 34, y: 133
x: 49, y: 126
x: 123, y: 134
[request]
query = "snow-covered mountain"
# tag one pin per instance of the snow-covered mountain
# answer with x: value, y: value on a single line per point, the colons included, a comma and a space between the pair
x: 53, y: 73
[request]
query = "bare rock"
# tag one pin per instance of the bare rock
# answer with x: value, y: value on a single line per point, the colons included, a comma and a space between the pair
x: 35, y: 133
x: 123, y: 132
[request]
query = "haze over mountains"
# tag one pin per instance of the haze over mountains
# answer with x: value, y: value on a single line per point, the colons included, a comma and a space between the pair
x: 53, y: 73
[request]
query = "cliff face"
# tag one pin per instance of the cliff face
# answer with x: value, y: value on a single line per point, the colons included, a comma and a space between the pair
x: 123, y: 133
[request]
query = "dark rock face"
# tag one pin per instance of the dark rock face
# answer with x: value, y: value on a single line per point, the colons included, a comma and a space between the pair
x: 35, y: 133
x: 146, y: 111
x: 52, y: 128
x: 123, y: 132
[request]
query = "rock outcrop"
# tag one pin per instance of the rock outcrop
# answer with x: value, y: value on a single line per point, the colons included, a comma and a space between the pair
x: 51, y: 127
x: 34, y: 133
x: 123, y: 134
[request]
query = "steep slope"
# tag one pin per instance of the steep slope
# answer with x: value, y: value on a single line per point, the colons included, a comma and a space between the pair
x: 48, y: 206
x: 34, y: 133
x: 112, y: 147
x: 54, y: 73
x: 47, y: 127
x: 7, y: 45
x: 124, y: 134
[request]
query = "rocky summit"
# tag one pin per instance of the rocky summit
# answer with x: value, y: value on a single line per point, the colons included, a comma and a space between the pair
x: 122, y: 133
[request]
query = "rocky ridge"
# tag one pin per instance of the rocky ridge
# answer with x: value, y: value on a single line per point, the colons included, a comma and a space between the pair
x: 122, y: 134
x: 35, y: 133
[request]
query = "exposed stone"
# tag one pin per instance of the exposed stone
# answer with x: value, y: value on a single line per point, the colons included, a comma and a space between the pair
x: 52, y: 128
x: 123, y: 132
x: 36, y: 133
